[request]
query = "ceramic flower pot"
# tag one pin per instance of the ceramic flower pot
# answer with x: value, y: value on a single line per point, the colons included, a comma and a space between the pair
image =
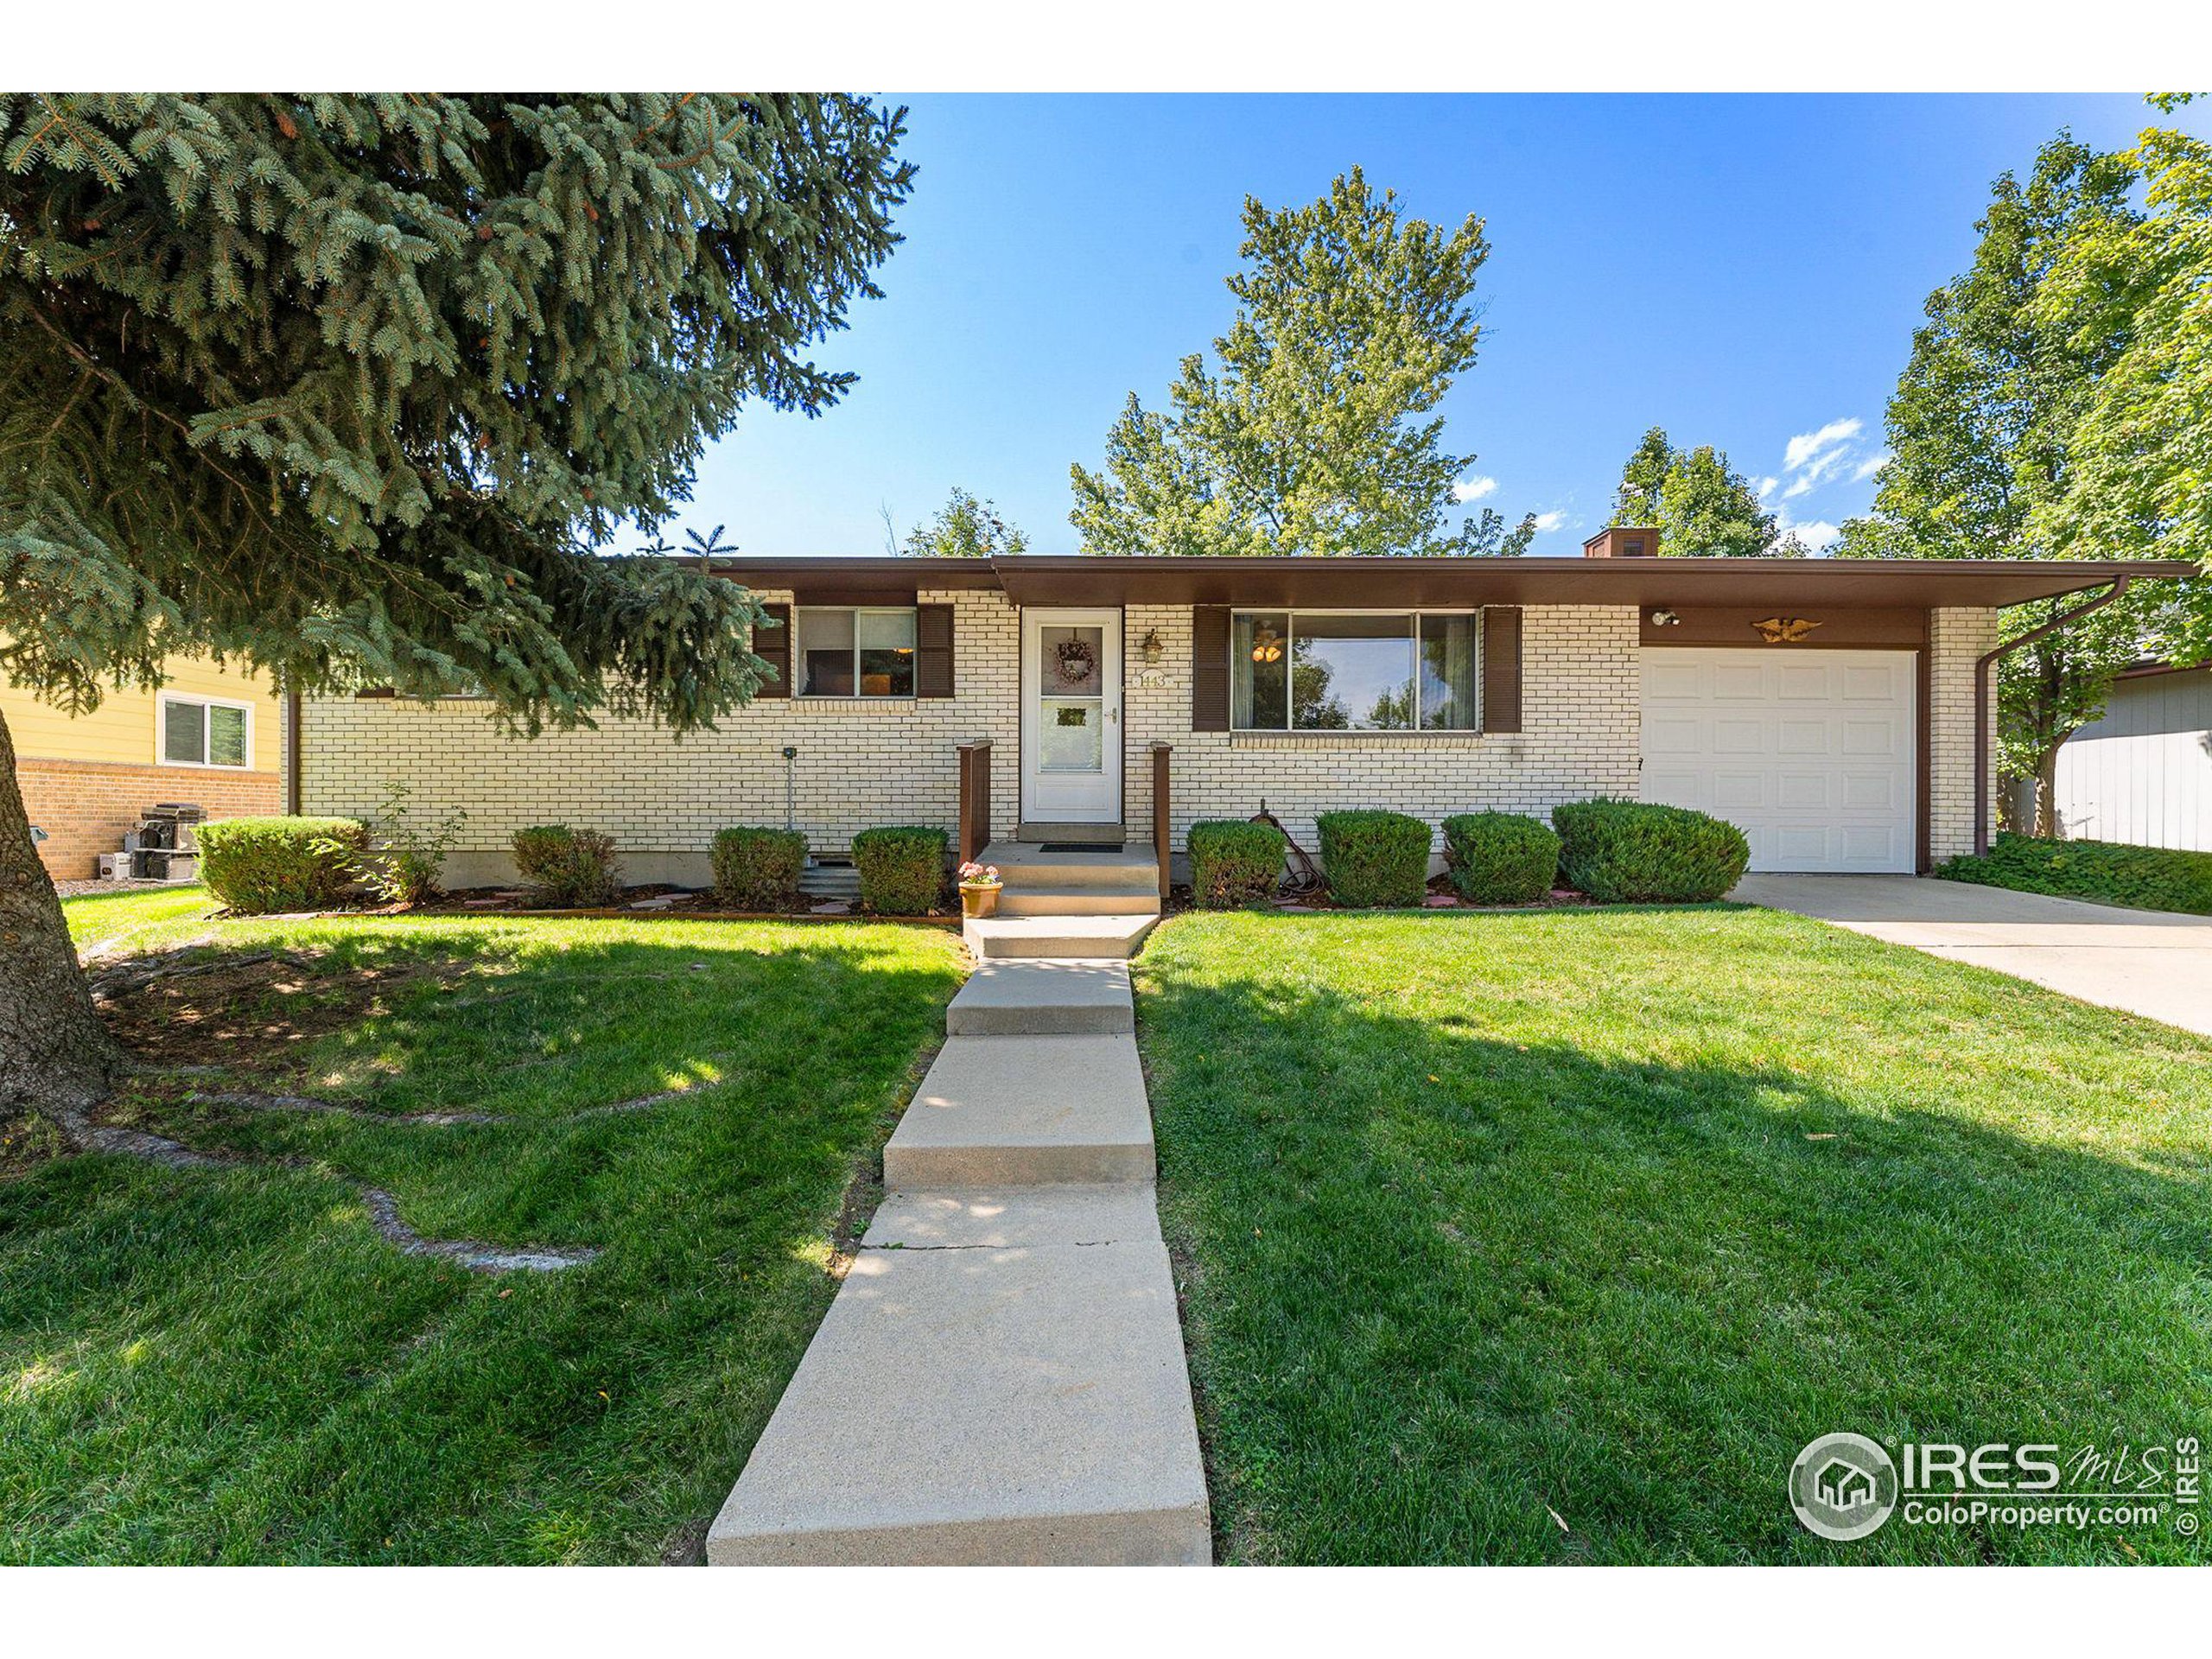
x: 980, y: 899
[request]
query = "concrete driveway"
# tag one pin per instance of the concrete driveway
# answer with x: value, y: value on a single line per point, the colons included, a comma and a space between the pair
x: 2145, y: 961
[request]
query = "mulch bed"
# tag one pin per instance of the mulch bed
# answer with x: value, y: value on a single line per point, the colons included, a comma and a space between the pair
x: 174, y: 1013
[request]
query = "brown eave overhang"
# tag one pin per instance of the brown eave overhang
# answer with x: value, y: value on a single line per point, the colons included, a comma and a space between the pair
x: 1384, y: 583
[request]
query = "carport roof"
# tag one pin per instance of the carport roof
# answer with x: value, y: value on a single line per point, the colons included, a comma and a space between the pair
x: 1387, y: 583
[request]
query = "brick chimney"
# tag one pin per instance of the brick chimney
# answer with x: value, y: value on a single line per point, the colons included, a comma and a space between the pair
x: 1624, y: 541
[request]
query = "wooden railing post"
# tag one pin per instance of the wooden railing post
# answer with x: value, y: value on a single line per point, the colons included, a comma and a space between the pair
x: 1161, y: 753
x: 974, y: 799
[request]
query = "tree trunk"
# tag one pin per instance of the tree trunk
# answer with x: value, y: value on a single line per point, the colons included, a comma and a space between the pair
x: 2047, y: 822
x: 55, y: 1055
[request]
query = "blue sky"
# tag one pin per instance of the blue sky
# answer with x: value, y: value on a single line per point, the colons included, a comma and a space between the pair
x: 1743, y: 271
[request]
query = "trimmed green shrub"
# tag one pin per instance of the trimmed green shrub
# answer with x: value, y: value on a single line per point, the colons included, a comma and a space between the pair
x: 568, y: 869
x: 2147, y: 878
x: 259, y: 864
x: 1500, y: 858
x: 902, y: 870
x: 1233, y: 863
x: 1639, y: 853
x: 1374, y: 859
x: 757, y: 868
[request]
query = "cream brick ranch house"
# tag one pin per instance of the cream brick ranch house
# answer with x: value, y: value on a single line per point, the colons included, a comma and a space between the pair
x: 1828, y: 707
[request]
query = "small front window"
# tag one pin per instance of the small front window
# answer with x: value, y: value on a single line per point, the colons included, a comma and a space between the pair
x: 848, y: 652
x: 1365, y: 671
x: 197, y: 733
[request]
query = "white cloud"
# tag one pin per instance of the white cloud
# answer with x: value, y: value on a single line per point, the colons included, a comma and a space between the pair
x: 1812, y: 459
x: 1871, y: 466
x: 1549, y: 522
x: 1818, y: 535
x: 1473, y: 489
x: 1808, y: 447
x: 1764, y: 487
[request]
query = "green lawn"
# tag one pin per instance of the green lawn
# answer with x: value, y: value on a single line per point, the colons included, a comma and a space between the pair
x: 1553, y: 1236
x: 233, y: 1366
x: 132, y: 919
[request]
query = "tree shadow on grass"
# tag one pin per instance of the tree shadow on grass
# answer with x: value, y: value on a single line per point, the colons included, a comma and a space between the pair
x: 1458, y: 1296
x: 230, y: 1365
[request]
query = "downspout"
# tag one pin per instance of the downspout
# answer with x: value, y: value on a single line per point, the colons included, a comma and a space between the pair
x: 1981, y: 680
x: 292, y: 753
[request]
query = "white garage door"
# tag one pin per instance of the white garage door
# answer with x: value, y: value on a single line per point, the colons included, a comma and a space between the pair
x: 1810, y: 752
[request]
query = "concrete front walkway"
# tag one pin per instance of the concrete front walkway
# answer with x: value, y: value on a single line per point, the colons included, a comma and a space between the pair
x: 1000, y: 1379
x: 2145, y: 961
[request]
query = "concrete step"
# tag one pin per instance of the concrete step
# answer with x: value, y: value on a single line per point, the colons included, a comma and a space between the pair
x: 1042, y: 999
x: 1107, y: 869
x: 1023, y: 1111
x: 1000, y: 1381
x: 1078, y: 901
x: 1057, y: 938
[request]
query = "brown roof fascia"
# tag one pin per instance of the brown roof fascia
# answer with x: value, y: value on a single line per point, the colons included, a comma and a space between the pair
x: 1352, y: 582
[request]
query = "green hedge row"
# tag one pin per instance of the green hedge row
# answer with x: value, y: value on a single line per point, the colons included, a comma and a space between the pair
x: 1233, y: 863
x: 758, y: 868
x: 257, y: 866
x: 1500, y: 858
x: 902, y: 870
x: 569, y: 868
x: 2147, y: 878
x: 1635, y: 852
x: 1374, y: 859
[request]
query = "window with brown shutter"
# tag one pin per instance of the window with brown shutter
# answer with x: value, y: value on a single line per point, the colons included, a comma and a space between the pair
x: 772, y: 643
x: 1209, y: 668
x: 1502, y: 668
x: 934, y: 650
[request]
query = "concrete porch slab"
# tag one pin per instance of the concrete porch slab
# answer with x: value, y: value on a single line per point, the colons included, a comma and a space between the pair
x: 1000, y: 1111
x: 1005, y: 1403
x: 1014, y: 999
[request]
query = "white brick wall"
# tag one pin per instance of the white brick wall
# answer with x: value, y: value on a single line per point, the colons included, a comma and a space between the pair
x: 1956, y: 638
x: 1580, y: 719
x: 864, y: 763
x: 861, y: 763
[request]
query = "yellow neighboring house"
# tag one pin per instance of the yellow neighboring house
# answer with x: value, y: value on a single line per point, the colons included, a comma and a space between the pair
x: 211, y: 737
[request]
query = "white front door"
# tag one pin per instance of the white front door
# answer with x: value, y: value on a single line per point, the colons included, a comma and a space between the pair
x: 1809, y: 752
x: 1071, y: 717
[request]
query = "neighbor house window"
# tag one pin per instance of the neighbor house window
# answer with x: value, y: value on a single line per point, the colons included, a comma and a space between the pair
x: 196, y: 732
x: 855, y: 653
x: 1353, y: 671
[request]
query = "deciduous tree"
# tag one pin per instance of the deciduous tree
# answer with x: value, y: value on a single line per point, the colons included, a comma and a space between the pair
x: 1984, y: 433
x: 2134, y: 295
x: 1702, y: 506
x: 1313, y: 429
x: 966, y: 527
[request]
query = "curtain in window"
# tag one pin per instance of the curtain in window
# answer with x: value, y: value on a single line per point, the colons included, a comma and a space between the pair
x: 1259, y: 672
x: 1447, y: 673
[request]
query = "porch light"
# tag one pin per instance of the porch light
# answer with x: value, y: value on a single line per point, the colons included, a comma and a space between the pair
x: 1267, y: 645
x: 1152, y: 648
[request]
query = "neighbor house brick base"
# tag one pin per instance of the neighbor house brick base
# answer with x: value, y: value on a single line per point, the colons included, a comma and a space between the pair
x: 85, y: 806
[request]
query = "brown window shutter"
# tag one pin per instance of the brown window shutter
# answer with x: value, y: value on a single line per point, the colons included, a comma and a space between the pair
x: 1502, y: 668
x: 1209, y: 668
x: 772, y: 643
x: 934, y: 650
